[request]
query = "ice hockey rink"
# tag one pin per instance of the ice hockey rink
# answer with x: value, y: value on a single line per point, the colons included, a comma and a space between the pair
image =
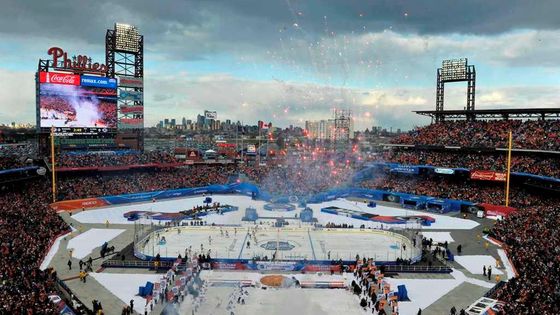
x: 293, y: 243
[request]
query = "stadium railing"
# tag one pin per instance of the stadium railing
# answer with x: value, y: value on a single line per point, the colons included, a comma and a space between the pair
x: 417, y: 269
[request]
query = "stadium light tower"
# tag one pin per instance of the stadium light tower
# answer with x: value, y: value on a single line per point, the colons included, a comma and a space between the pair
x: 342, y: 127
x: 124, y: 56
x: 455, y: 70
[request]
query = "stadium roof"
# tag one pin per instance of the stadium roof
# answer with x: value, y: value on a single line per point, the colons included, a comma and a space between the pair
x: 541, y: 113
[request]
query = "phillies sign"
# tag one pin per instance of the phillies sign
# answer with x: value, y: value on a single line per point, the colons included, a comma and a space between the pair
x: 59, y: 78
x: 79, y: 63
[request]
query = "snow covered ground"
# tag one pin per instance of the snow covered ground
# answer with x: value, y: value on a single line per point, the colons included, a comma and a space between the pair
x: 285, y: 300
x: 83, y: 244
x: 507, y: 265
x: 319, y: 301
x: 52, y: 252
x: 439, y: 237
x: 114, y: 214
x: 474, y: 263
x: 125, y: 286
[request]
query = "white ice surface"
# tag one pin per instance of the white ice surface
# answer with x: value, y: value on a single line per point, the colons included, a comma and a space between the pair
x: 52, y: 252
x: 474, y: 263
x: 439, y: 237
x: 84, y: 243
x: 114, y: 214
x: 505, y: 261
x: 307, y: 243
x: 125, y: 286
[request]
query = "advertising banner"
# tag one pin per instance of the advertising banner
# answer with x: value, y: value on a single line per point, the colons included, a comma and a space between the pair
x: 101, y: 82
x: 131, y: 109
x: 131, y: 122
x: 446, y: 171
x: 496, y: 210
x: 405, y: 169
x: 70, y: 205
x: 134, y: 96
x: 488, y: 175
x: 59, y: 78
x: 251, y: 148
x: 133, y: 82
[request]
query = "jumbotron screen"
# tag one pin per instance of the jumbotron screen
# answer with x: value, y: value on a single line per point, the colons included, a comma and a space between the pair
x: 76, y: 106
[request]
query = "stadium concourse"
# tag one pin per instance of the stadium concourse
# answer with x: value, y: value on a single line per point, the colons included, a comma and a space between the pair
x: 37, y: 264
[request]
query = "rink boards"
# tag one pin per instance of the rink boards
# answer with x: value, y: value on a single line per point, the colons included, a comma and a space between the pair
x: 244, y: 248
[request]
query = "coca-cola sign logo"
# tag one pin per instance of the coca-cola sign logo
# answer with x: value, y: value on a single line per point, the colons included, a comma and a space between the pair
x: 79, y: 63
x: 59, y: 78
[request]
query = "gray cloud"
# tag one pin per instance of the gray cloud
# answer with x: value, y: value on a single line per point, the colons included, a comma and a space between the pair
x: 336, y: 53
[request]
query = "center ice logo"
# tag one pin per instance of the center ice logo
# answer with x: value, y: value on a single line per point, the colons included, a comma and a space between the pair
x: 274, y: 245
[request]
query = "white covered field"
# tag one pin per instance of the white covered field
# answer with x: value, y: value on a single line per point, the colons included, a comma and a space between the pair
x: 301, y: 243
x: 114, y: 214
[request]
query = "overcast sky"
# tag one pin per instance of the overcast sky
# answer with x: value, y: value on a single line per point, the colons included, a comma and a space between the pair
x: 288, y: 61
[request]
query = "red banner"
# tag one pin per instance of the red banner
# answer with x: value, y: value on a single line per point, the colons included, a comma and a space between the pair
x: 131, y: 109
x: 488, y: 175
x: 495, y: 210
x: 59, y: 78
x: 70, y: 205
x: 132, y: 121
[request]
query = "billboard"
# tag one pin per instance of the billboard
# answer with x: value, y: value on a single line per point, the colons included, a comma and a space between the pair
x: 404, y: 169
x: 488, y: 175
x: 133, y: 82
x: 59, y: 78
x: 101, y: 82
x: 210, y: 114
x: 131, y: 123
x: 131, y: 109
x: 446, y: 171
x: 128, y: 95
x: 63, y: 103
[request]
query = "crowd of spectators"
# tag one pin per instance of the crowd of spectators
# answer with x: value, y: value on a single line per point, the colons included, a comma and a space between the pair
x: 27, y: 227
x: 531, y: 134
x: 71, y: 187
x: 452, y: 188
x: 532, y: 240
x: 15, y: 156
x: 533, y: 164
x: 101, y: 160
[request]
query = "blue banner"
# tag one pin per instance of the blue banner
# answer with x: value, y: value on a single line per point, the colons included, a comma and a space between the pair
x: 405, y: 169
x: 101, y: 82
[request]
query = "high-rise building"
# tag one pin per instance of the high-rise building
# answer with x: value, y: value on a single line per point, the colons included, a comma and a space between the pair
x: 320, y: 129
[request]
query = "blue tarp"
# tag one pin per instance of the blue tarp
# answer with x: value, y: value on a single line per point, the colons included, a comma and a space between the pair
x: 370, y: 171
x: 402, y: 293
x: 533, y: 176
x: 20, y: 169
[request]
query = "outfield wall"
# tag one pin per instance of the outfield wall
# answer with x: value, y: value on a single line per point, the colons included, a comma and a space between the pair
x: 404, y: 199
